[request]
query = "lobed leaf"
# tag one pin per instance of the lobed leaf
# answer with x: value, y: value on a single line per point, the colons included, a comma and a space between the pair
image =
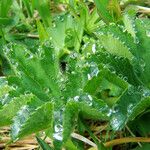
x: 36, y: 73
x: 10, y: 109
x: 30, y: 121
x: 129, y: 106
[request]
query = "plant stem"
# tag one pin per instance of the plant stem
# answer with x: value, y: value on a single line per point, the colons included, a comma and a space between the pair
x: 83, y: 139
x: 132, y: 134
x: 143, y: 9
x: 126, y: 140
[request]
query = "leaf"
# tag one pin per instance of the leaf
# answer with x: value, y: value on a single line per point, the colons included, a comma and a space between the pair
x: 37, y: 73
x: 117, y: 42
x: 88, y: 112
x: 42, y: 32
x: 129, y: 21
x: 6, y: 21
x: 28, y: 7
x: 92, y: 22
x: 75, y: 109
x: 70, y: 118
x: 74, y: 83
x: 115, y: 10
x: 43, y: 144
x: 43, y: 8
x: 129, y: 106
x: 142, y: 28
x: 119, y: 65
x: 5, y: 7
x: 4, y: 88
x: 10, y: 109
x: 102, y: 7
x: 30, y: 121
x: 66, y: 25
x: 144, y: 147
x: 141, y: 124
x: 106, y: 86
x: 70, y: 145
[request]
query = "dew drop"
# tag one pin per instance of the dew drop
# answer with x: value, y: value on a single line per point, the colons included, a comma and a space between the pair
x: 125, y: 78
x: 148, y: 33
x: 136, y: 40
x: 110, y: 112
x: 142, y: 64
x: 146, y: 93
x: 5, y: 99
x: 58, y: 136
x: 14, y: 87
x: 73, y: 72
x: 27, y: 92
x: 76, y: 98
x: 89, y: 77
x: 58, y: 128
x: 94, y: 48
x: 94, y: 70
x: 73, y: 55
x: 47, y: 90
x: 115, y: 123
x: 54, y: 25
x: 130, y: 108
x: 89, y: 100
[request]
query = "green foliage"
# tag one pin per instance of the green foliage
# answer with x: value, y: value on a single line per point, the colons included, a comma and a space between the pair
x: 26, y: 119
x: 82, y: 67
x: 109, y: 11
x: 43, y: 144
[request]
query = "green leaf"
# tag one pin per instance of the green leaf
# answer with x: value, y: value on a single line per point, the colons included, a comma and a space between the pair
x: 119, y: 65
x: 141, y: 124
x: 79, y: 106
x: 95, y: 113
x: 5, y: 7
x: 117, y: 42
x: 74, y: 83
x: 129, y: 106
x: 42, y: 32
x: 43, y: 8
x: 37, y: 73
x: 43, y: 144
x: 143, y: 36
x: 70, y: 145
x: 10, y: 109
x: 144, y: 147
x: 102, y: 6
x: 129, y: 21
x: 70, y: 118
x: 4, y: 88
x: 28, y: 7
x: 30, y: 121
x: 70, y: 29
x: 106, y: 85
x: 92, y: 21
x: 6, y: 21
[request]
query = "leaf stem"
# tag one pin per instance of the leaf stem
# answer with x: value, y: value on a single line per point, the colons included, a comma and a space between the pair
x: 126, y: 140
x: 83, y: 139
x: 132, y: 134
x: 143, y: 9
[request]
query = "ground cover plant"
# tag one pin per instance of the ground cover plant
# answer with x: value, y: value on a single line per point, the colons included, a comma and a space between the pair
x: 76, y: 72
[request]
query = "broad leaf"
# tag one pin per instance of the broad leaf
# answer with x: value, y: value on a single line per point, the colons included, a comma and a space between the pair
x: 43, y: 144
x: 29, y: 120
x: 129, y: 106
x: 10, y: 109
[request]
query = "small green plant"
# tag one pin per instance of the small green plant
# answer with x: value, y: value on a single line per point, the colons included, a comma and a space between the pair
x: 82, y: 68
